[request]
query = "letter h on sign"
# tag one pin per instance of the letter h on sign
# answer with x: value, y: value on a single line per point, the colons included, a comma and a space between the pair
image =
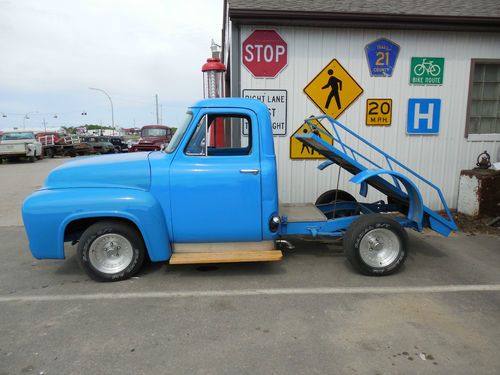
x: 423, y: 116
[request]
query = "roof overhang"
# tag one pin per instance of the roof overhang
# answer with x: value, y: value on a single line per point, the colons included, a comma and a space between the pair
x: 363, y: 20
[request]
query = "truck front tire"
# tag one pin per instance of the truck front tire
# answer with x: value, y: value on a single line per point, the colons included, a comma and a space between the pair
x: 111, y: 251
x: 376, y: 245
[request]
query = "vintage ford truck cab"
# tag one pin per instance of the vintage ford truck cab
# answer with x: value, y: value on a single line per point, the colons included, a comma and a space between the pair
x: 153, y: 138
x: 209, y: 198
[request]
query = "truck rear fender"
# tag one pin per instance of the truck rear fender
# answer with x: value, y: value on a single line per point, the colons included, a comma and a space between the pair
x: 415, y: 202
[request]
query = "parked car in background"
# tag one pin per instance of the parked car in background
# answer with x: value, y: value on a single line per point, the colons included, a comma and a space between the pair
x: 56, y: 144
x: 153, y: 137
x: 19, y: 144
x: 99, y: 146
x: 118, y: 142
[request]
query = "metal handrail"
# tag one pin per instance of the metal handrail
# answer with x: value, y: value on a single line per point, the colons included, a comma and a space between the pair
x: 46, y: 140
x: 387, y: 157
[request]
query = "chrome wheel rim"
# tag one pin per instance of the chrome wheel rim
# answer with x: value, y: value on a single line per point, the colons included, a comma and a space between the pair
x: 111, y: 253
x: 379, y: 247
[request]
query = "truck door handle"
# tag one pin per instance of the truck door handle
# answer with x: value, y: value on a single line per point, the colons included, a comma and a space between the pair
x: 252, y: 171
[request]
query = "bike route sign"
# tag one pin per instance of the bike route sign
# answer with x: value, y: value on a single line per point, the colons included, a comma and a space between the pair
x: 427, y: 71
x: 381, y: 55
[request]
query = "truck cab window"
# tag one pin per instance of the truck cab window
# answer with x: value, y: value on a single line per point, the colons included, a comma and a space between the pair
x: 221, y: 135
x: 179, y: 133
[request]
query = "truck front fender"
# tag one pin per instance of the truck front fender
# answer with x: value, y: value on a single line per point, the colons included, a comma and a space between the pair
x: 415, y: 202
x: 47, y: 213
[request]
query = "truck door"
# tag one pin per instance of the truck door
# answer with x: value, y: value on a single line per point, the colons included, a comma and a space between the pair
x: 215, y: 181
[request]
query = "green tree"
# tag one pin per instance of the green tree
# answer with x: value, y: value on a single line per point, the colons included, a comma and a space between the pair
x: 68, y: 129
x: 97, y: 127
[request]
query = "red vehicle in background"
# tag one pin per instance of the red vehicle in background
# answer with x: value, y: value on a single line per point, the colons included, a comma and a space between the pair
x: 56, y: 144
x: 153, y: 137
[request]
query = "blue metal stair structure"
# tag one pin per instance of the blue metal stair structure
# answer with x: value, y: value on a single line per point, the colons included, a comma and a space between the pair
x: 348, y: 158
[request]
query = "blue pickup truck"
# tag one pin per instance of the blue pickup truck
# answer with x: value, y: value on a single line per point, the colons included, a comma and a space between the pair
x: 211, y: 196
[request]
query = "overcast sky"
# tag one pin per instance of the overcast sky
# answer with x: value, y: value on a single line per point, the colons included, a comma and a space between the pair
x: 52, y: 51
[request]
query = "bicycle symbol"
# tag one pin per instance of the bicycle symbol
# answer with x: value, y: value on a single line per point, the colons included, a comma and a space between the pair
x: 427, y: 66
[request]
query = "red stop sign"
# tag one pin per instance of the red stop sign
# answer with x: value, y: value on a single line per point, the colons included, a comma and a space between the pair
x: 264, y: 53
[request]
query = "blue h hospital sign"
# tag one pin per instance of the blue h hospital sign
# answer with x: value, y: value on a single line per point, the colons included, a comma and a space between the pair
x: 423, y: 116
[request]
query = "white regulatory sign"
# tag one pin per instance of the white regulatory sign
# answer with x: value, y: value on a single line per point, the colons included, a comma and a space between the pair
x: 276, y: 102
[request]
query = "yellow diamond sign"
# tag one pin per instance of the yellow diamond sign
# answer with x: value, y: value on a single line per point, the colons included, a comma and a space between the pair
x: 299, y: 150
x: 333, y: 90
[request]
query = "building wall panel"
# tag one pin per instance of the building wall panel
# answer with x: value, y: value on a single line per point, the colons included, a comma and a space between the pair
x: 439, y: 158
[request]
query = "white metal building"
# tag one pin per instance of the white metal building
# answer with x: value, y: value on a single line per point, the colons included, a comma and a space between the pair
x: 465, y: 34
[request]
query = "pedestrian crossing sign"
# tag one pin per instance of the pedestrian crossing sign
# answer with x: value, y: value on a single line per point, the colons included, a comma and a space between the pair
x: 299, y: 150
x: 333, y: 90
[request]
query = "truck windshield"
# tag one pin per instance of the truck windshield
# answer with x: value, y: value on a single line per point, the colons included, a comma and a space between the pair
x: 179, y: 133
x: 16, y: 136
x: 153, y: 132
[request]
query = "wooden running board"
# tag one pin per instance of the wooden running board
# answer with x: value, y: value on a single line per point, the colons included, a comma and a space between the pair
x: 226, y: 257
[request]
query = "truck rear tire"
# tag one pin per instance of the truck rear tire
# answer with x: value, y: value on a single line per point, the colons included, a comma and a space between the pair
x: 111, y: 251
x: 376, y: 245
x: 329, y: 197
x: 49, y: 153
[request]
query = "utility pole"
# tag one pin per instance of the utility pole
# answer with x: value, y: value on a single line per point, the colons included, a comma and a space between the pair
x: 157, y: 114
x: 44, y: 125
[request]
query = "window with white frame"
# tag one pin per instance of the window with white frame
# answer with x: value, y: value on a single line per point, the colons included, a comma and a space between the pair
x: 484, y: 98
x: 220, y: 135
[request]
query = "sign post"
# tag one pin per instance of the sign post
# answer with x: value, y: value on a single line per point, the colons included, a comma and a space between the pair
x: 264, y: 53
x: 276, y: 101
x: 333, y: 90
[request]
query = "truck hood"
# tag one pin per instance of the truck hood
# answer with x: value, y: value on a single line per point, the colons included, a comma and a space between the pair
x: 118, y: 170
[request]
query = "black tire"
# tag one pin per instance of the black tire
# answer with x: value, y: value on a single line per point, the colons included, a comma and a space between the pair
x: 353, y: 243
x: 32, y: 159
x: 107, y: 227
x: 329, y: 197
x: 49, y: 153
